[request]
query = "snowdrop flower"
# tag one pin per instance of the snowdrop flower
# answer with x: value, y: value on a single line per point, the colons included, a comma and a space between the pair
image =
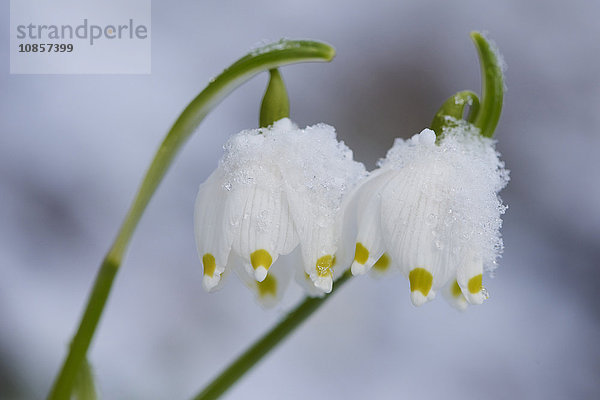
x: 432, y: 211
x: 275, y: 188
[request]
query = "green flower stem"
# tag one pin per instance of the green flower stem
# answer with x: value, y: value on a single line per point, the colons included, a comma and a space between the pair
x: 262, y: 59
x: 484, y: 115
x: 275, y: 104
x: 492, y: 86
x: 265, y: 344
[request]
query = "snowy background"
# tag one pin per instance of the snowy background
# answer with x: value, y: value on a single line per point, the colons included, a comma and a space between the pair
x: 73, y: 150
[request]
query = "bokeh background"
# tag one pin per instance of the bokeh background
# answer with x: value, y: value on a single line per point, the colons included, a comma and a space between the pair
x: 73, y: 150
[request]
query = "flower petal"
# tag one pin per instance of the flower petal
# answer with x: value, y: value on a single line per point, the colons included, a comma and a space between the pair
x: 382, y: 266
x: 316, y: 231
x: 453, y: 294
x: 358, y: 224
x: 411, y: 240
x: 263, y: 228
x: 469, y: 277
x: 213, y: 241
x: 270, y: 290
x: 369, y: 244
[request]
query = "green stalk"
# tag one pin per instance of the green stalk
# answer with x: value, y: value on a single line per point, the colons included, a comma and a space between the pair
x: 264, y: 345
x: 275, y: 104
x: 492, y: 86
x: 263, y: 59
x: 84, y: 388
x: 484, y: 115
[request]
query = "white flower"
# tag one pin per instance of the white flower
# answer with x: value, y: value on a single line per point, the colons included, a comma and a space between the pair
x: 432, y: 209
x: 274, y: 189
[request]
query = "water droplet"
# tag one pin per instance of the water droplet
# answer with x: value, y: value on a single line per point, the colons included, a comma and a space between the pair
x: 485, y: 293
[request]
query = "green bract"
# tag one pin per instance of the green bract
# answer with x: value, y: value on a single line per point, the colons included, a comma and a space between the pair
x: 275, y: 104
x: 484, y: 115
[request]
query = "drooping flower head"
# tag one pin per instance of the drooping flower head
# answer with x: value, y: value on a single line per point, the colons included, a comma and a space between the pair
x: 275, y: 188
x: 432, y: 210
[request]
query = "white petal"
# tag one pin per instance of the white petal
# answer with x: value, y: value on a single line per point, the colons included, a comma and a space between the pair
x: 213, y: 240
x: 270, y: 290
x: 215, y: 282
x: 469, y: 276
x: 295, y: 263
x: 263, y: 228
x: 304, y: 280
x: 318, y: 252
x: 418, y: 298
x: 369, y: 244
x: 317, y: 171
x: 287, y: 239
x: 318, y: 241
x: 359, y: 221
x: 410, y: 236
x: 383, y: 266
x: 453, y: 294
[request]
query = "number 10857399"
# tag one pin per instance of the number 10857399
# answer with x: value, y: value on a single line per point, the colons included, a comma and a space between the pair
x: 45, y: 48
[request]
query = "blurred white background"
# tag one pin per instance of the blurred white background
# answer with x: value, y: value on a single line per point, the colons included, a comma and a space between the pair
x: 74, y: 148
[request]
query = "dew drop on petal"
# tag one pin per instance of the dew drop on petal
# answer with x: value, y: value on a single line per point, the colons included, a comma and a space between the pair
x: 485, y: 293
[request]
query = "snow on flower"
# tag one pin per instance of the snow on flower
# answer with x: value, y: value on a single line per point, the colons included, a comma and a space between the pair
x: 432, y: 211
x: 275, y: 188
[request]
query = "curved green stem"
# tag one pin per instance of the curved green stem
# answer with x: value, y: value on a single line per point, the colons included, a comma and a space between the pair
x: 259, y: 349
x: 263, y: 59
x: 492, y: 86
x: 453, y: 110
x: 484, y: 115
